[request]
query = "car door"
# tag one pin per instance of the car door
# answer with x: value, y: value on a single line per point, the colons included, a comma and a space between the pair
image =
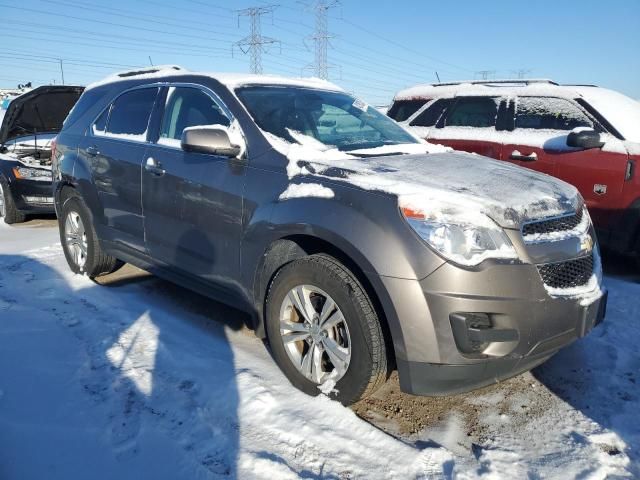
x: 192, y: 202
x: 114, y: 148
x: 539, y: 141
x: 469, y: 125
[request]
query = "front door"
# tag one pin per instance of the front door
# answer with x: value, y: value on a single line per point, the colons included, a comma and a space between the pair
x: 192, y: 202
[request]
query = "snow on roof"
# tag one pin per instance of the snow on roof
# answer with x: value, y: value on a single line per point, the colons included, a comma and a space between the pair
x: 235, y: 80
x: 231, y: 80
x: 499, y: 88
x: 154, y: 72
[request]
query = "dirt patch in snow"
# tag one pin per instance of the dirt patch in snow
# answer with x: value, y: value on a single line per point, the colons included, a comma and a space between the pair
x: 522, y: 398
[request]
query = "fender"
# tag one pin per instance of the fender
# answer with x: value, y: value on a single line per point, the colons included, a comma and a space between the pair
x: 282, y: 232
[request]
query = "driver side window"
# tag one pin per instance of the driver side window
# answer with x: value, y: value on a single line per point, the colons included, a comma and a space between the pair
x: 547, y: 113
x: 188, y: 107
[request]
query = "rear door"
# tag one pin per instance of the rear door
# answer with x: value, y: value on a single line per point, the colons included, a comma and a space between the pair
x: 114, y: 147
x: 467, y: 124
x: 192, y: 202
x: 539, y: 141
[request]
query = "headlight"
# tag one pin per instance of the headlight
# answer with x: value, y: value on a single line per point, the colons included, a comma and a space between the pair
x: 25, y: 173
x: 461, y: 241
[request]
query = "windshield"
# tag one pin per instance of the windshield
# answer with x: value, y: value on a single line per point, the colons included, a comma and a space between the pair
x: 333, y: 118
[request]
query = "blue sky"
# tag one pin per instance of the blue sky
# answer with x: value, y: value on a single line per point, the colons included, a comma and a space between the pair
x: 378, y: 48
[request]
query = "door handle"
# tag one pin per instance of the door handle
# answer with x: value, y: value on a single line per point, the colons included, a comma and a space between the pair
x: 154, y: 167
x: 92, y: 151
x: 516, y: 155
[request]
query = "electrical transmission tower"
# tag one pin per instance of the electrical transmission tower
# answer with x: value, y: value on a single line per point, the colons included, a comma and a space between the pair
x: 522, y: 72
x: 254, y: 44
x: 321, y: 36
x: 485, y: 74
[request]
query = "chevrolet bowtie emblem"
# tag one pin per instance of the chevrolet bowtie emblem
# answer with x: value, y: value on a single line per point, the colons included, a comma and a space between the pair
x: 586, y: 245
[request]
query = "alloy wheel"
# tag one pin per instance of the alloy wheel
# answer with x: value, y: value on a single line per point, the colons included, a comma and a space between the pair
x: 76, y: 237
x: 3, y: 208
x: 315, y: 334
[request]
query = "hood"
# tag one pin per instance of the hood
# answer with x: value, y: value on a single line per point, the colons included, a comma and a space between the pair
x: 473, y: 185
x: 41, y: 110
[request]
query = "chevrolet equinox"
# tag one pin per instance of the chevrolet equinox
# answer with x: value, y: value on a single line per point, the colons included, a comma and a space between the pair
x: 356, y: 247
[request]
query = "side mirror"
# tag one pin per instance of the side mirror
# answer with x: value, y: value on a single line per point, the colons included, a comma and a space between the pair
x: 585, y: 138
x: 209, y: 139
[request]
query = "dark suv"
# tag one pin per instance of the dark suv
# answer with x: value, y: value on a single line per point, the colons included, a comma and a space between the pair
x: 354, y: 245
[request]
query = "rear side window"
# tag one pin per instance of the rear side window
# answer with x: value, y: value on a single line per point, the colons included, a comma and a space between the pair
x: 403, y: 109
x: 100, y: 125
x: 478, y: 112
x: 130, y: 113
x: 189, y: 107
x: 432, y: 114
x: 547, y: 113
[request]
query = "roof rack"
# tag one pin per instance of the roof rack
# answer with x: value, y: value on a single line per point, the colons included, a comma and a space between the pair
x: 528, y: 81
x: 579, y: 85
x: 146, y: 71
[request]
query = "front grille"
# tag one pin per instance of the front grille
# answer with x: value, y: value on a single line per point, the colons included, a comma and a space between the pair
x: 569, y: 274
x: 561, y: 224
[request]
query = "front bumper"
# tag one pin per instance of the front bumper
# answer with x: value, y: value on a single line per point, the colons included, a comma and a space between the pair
x: 32, y: 196
x: 428, y: 353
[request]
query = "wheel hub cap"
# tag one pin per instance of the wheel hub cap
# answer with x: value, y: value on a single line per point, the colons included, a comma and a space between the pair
x: 76, y: 238
x: 315, y: 334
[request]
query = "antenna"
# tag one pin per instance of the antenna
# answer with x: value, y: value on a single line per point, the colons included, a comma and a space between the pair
x: 255, y: 42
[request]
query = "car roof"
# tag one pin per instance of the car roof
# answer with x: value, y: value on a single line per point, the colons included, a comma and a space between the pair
x: 231, y: 80
x: 488, y: 88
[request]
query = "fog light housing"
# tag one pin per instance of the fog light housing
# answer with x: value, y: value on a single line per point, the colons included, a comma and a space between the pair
x: 475, y: 333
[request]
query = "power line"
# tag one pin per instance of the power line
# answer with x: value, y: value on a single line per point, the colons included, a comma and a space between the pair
x: 254, y: 44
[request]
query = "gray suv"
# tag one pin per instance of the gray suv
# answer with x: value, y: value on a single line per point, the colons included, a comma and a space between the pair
x: 355, y: 246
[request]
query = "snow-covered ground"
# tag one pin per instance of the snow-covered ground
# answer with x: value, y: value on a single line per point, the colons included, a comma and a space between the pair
x: 138, y: 378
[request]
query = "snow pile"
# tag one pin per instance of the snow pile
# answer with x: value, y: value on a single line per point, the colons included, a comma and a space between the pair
x: 300, y: 190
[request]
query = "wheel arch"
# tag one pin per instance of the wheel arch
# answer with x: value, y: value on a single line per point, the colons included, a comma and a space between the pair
x: 292, y: 247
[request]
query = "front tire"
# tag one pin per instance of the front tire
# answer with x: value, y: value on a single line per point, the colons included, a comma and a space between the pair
x: 80, y: 243
x: 322, y: 328
x: 8, y: 209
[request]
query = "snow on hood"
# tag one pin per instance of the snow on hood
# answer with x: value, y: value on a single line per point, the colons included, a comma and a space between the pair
x: 458, y: 186
x: 436, y: 180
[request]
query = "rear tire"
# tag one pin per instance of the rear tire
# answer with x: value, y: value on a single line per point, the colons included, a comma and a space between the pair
x: 8, y: 208
x: 350, y: 336
x: 79, y: 241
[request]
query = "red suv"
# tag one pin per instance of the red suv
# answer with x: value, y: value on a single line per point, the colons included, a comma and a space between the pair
x: 583, y: 134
